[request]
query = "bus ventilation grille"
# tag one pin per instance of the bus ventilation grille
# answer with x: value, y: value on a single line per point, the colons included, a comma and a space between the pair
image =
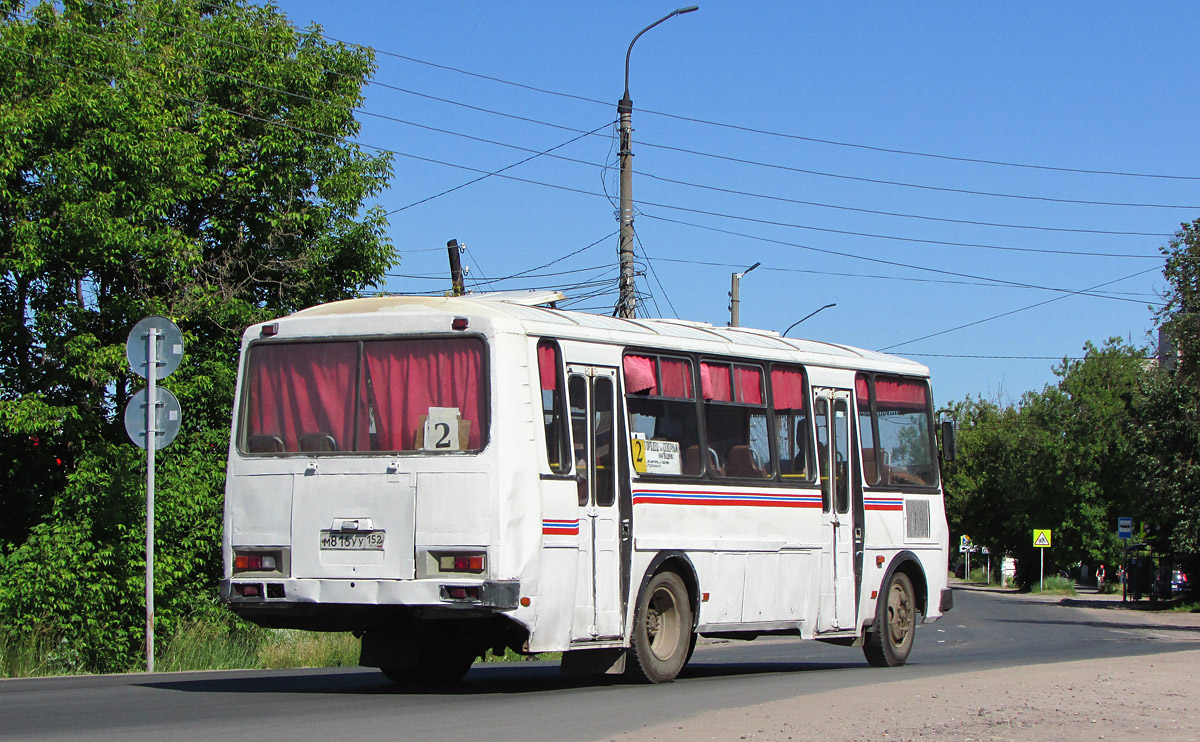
x: 916, y: 518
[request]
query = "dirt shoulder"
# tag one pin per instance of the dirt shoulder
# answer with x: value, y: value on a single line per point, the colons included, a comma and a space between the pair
x: 1068, y: 702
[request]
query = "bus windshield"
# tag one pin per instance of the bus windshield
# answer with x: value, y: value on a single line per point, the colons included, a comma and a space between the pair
x: 401, y: 395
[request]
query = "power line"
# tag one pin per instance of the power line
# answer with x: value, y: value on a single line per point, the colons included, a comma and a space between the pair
x: 819, y: 204
x: 271, y: 122
x: 733, y: 159
x: 547, y: 152
x: 900, y: 184
x: 995, y: 281
x: 1014, y: 311
x: 842, y: 274
x: 766, y: 132
x: 877, y: 236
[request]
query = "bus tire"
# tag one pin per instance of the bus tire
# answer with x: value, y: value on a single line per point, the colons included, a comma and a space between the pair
x: 662, y: 630
x: 891, y: 638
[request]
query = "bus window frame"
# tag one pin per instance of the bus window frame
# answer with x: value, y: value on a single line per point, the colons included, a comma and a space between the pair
x: 809, y: 428
x: 931, y: 431
x: 764, y: 382
x: 658, y: 354
x: 485, y: 402
x: 563, y: 412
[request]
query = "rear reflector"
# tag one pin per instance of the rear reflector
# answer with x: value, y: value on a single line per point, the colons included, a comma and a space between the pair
x: 250, y: 590
x: 457, y: 592
x: 459, y: 323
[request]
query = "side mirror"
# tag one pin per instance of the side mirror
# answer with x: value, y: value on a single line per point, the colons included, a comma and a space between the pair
x: 949, y: 441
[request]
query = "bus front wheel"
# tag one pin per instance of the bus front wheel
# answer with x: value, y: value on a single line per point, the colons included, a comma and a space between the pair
x: 891, y: 638
x: 662, y: 630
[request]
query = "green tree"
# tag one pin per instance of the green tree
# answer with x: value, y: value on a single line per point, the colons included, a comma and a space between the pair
x: 182, y: 157
x: 1063, y: 459
x: 1167, y: 410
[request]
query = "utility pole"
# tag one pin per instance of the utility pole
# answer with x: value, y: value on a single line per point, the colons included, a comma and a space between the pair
x: 456, y: 271
x: 626, y: 301
x: 735, y: 296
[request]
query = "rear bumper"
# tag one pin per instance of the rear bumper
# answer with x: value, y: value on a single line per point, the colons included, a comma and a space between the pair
x: 279, y: 594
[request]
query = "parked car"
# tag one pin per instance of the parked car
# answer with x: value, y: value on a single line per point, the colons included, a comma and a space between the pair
x: 1179, y: 581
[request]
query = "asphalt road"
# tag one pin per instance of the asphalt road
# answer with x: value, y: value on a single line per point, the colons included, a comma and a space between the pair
x: 532, y: 701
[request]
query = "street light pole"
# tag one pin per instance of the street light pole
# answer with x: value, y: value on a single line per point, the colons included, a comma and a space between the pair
x: 789, y: 329
x: 626, y: 301
x: 735, y: 296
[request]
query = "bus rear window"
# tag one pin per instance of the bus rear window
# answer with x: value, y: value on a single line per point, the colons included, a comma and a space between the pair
x: 424, y: 394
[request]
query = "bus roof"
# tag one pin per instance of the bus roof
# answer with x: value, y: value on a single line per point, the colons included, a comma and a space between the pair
x: 535, y: 315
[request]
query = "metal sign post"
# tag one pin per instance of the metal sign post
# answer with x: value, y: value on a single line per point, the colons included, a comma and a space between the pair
x: 1041, y: 540
x: 152, y: 418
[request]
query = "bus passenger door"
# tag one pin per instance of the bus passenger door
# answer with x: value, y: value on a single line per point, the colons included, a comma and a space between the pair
x: 839, y: 592
x: 592, y: 394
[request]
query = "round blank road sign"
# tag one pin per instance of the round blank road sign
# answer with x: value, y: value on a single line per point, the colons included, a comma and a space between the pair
x: 166, y: 421
x: 168, y: 350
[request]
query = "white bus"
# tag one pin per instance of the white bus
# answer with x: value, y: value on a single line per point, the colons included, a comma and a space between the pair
x: 444, y: 476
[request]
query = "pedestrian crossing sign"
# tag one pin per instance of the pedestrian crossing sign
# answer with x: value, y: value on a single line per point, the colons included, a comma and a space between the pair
x: 1041, y: 538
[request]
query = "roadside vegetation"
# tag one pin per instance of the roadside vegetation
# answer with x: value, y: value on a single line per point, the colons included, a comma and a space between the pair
x: 215, y: 640
x: 1054, y: 585
x: 1118, y: 435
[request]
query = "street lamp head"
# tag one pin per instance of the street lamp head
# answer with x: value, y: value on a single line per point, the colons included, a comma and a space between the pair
x: 789, y: 329
x: 625, y: 101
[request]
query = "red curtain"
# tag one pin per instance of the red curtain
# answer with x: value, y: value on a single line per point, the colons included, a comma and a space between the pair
x: 749, y: 384
x: 639, y: 375
x: 860, y: 386
x: 548, y: 364
x: 408, y: 377
x: 787, y: 388
x: 676, y: 378
x: 301, y: 389
x: 715, y: 383
x: 900, y: 394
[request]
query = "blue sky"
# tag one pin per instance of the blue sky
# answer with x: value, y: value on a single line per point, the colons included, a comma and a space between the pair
x: 1107, y: 87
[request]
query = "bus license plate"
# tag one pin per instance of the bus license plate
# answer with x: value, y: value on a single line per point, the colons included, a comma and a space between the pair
x: 360, y: 541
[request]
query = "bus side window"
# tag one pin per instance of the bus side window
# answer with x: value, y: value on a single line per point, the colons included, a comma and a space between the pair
x: 793, y: 436
x: 735, y: 420
x: 553, y: 406
x: 577, y: 391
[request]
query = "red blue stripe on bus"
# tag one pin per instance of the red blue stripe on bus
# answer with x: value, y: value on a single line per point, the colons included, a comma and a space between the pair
x: 745, y: 499
x: 560, y: 527
x: 883, y: 503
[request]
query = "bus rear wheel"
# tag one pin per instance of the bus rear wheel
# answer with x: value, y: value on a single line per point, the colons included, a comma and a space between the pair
x: 891, y: 638
x: 662, y: 630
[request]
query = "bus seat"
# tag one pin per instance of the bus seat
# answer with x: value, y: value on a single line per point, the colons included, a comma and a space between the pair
x: 691, y: 462
x: 317, y: 442
x: 739, y: 462
x: 264, y: 444
x: 871, y: 467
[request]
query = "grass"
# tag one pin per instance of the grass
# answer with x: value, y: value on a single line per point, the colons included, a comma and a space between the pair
x: 1055, y: 585
x: 213, y: 640
x: 36, y: 654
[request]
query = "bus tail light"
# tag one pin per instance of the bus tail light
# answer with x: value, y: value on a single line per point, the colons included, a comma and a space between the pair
x: 462, y: 562
x: 257, y: 561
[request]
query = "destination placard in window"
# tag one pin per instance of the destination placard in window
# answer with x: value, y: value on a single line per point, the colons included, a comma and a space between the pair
x: 655, y: 456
